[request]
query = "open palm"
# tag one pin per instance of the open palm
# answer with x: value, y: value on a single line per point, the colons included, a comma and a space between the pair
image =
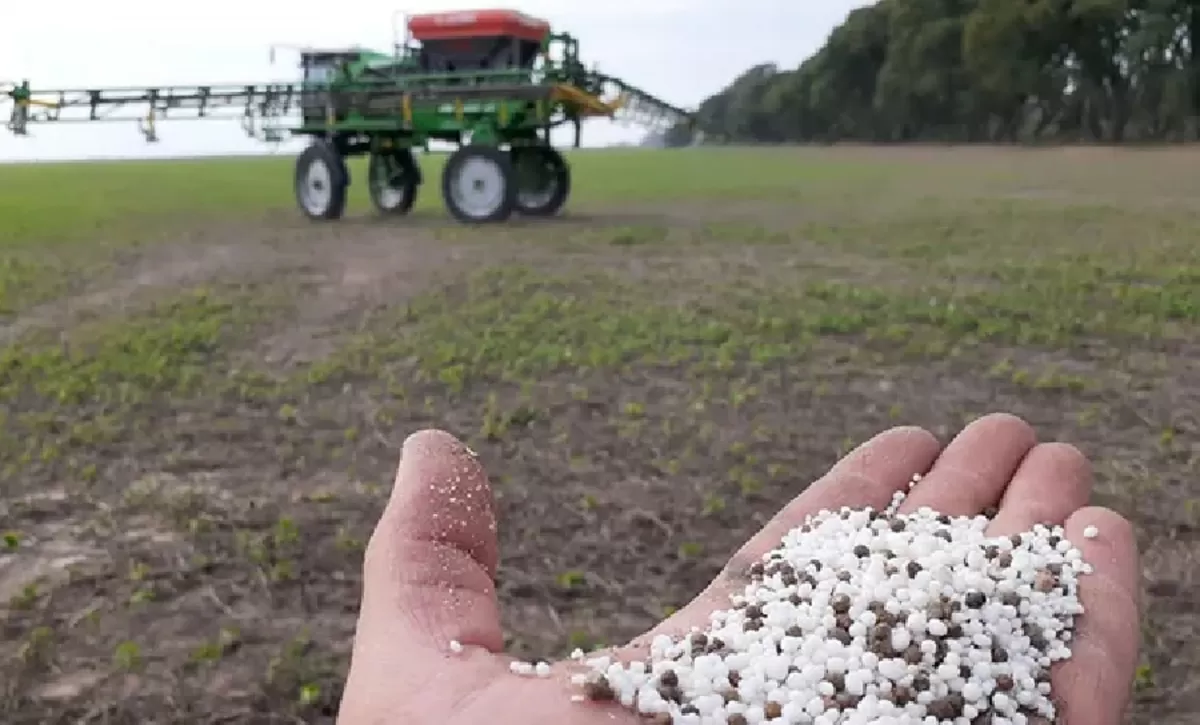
x: 430, y: 565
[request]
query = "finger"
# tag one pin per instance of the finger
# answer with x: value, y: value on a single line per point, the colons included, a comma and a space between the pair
x: 430, y: 566
x: 1053, y: 482
x: 1093, y: 687
x: 869, y: 476
x: 973, y: 471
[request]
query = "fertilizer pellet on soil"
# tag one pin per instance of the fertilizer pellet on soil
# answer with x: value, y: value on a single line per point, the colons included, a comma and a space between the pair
x: 862, y: 617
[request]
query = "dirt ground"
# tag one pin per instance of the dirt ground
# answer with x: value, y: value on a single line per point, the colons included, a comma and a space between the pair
x: 646, y: 383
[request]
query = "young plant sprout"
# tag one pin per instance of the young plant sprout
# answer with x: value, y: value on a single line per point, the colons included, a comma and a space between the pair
x: 862, y: 617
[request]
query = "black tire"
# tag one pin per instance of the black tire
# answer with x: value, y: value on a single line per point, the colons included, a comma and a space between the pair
x: 394, y: 181
x: 320, y: 182
x: 479, y: 165
x: 551, y: 182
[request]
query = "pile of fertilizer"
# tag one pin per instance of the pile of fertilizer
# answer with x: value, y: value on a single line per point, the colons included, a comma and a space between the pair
x: 863, y: 617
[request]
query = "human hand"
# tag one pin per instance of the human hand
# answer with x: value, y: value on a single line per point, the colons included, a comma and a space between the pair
x: 430, y: 565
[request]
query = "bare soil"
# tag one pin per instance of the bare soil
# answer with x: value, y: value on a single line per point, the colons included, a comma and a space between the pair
x: 209, y: 571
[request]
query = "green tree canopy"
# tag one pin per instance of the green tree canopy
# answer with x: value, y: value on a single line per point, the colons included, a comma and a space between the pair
x: 979, y: 70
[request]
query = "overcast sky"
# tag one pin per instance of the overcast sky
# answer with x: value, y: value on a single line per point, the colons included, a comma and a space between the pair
x: 682, y: 50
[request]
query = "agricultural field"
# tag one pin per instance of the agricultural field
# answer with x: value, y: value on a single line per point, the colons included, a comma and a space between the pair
x: 203, y: 395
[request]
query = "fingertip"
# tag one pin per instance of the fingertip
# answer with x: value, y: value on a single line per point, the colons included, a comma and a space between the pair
x: 1095, y: 682
x: 442, y: 494
x: 974, y: 470
x: 1109, y: 542
x: 1065, y: 457
x: 430, y: 564
x: 1008, y: 422
x: 1005, y: 429
x: 1053, y: 481
x: 1093, y: 527
x: 908, y: 435
x: 1106, y: 520
x: 432, y: 441
x: 903, y: 450
x: 434, y: 457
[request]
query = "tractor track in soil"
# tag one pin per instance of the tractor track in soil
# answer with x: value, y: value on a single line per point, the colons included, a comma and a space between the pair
x: 167, y: 267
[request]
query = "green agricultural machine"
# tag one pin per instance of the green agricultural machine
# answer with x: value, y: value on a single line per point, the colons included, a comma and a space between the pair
x: 492, y: 82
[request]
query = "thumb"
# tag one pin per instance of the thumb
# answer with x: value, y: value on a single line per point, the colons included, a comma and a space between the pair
x: 430, y: 566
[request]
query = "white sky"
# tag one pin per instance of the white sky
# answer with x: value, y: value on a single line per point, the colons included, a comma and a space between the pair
x: 681, y: 50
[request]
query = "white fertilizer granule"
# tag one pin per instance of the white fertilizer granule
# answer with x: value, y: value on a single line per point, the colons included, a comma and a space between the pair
x: 868, y: 618
x: 525, y: 669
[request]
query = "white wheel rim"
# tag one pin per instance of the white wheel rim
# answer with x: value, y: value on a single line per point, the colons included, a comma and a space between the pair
x: 388, y: 195
x: 391, y: 197
x: 316, y: 190
x: 478, y: 188
x: 535, y: 199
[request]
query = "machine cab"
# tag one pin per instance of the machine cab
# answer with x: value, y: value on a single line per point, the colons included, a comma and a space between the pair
x: 482, y: 40
x: 323, y: 66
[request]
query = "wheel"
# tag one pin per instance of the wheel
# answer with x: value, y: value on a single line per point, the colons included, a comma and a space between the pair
x: 394, y: 180
x: 543, y: 180
x: 478, y: 185
x: 321, y: 181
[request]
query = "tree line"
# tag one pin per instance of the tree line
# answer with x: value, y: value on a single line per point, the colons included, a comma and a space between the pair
x: 998, y: 71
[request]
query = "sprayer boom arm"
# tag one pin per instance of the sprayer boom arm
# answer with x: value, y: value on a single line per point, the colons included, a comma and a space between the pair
x: 262, y: 108
x: 641, y: 107
x: 229, y: 101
